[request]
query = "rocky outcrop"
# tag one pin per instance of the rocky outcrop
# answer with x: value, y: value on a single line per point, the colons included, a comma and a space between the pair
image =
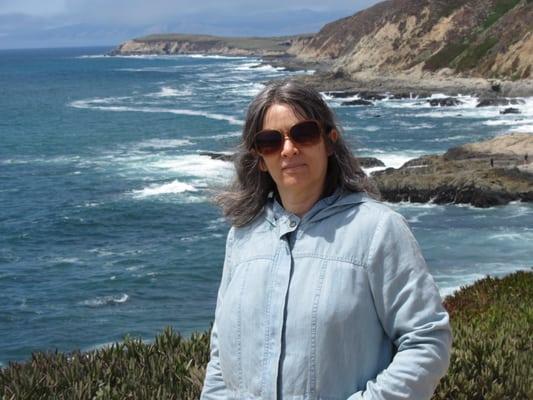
x: 483, y: 174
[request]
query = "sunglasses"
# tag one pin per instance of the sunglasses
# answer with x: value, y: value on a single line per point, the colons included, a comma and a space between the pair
x: 303, y: 133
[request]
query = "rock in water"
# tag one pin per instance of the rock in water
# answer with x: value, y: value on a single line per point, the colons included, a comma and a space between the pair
x: 446, y: 102
x: 510, y: 110
x: 357, y: 103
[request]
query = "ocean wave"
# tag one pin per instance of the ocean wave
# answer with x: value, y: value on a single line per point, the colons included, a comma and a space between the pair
x: 246, y: 90
x: 217, y: 137
x: 106, y: 300
x: 162, y: 144
x: 167, y: 91
x: 257, y: 66
x: 369, y: 128
x: 173, y: 187
x: 509, y: 236
x: 214, y: 56
x: 94, y: 56
x: 88, y: 104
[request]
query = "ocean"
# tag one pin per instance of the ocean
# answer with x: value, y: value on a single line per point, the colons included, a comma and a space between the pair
x: 106, y: 224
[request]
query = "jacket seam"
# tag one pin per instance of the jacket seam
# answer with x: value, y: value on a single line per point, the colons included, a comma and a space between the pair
x: 266, y: 351
x: 314, y: 328
x: 329, y: 258
x: 239, y: 334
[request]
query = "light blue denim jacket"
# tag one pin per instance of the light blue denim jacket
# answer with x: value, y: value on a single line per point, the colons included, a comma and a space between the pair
x: 338, y: 304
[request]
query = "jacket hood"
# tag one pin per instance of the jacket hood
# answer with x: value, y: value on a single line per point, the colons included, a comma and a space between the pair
x: 325, y: 207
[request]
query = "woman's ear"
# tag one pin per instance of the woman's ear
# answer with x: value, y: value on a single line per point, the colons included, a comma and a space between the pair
x: 332, y: 138
x: 333, y: 135
x: 262, y: 165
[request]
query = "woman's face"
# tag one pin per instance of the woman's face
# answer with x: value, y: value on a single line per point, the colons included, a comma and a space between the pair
x: 296, y: 170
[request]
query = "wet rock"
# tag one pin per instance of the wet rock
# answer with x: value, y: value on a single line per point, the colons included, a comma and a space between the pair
x: 217, y: 156
x: 445, y: 102
x: 357, y: 103
x: 498, y: 101
x: 510, y: 110
x: 369, y: 162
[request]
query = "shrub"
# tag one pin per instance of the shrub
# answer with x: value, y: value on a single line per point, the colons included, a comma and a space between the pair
x: 492, y: 323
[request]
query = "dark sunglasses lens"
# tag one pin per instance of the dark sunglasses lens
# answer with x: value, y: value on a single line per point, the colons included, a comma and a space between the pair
x: 306, y: 132
x: 268, y: 142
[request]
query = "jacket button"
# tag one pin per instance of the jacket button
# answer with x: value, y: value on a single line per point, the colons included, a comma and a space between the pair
x: 292, y: 224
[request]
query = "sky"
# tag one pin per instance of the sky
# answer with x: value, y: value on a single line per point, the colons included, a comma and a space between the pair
x: 70, y: 23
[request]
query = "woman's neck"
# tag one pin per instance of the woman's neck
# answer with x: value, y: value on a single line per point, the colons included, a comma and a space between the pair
x: 299, y: 203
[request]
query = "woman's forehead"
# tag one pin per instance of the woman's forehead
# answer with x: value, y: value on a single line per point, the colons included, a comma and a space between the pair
x: 281, y: 116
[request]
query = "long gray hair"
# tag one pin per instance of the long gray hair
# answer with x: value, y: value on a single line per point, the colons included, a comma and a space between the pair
x: 246, y: 196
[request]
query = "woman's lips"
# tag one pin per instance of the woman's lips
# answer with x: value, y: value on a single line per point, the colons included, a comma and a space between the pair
x: 292, y: 167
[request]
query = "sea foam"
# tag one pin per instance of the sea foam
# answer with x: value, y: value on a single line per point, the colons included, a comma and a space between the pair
x: 166, y: 188
x: 106, y: 300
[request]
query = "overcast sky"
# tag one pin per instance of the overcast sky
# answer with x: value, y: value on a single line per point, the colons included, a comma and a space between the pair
x: 55, y: 23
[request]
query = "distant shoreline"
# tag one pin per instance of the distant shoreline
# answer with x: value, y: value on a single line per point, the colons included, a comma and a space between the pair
x: 273, y: 51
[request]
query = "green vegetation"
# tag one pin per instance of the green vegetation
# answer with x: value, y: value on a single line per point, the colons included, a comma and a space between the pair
x: 443, y: 58
x: 492, y: 323
x: 500, y: 8
x: 471, y: 56
x: 462, y: 56
x: 169, y: 368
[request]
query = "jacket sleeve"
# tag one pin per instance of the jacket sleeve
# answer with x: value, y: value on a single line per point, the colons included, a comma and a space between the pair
x: 410, y: 310
x: 214, y: 387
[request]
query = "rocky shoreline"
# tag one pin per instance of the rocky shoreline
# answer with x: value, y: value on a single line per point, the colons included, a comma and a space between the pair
x: 418, y: 84
x: 483, y: 174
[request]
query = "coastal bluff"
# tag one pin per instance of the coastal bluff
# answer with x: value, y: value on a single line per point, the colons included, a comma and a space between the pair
x: 483, y: 174
x: 456, y: 46
x: 166, y: 44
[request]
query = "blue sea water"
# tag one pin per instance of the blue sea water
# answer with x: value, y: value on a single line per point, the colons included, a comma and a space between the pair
x: 106, y: 228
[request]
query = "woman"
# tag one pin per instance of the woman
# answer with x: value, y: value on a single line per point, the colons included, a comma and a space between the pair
x: 324, y: 291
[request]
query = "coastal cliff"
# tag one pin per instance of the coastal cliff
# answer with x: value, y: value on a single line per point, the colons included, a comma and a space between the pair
x: 473, y: 38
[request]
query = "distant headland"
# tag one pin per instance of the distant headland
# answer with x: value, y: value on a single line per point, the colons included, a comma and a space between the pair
x: 481, y: 47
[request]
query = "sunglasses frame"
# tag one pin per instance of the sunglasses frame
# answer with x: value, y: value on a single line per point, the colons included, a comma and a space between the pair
x: 288, y: 135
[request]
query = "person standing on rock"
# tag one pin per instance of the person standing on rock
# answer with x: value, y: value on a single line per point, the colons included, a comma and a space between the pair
x: 324, y: 292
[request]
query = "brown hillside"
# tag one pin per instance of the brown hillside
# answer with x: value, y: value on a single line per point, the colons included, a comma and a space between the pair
x: 483, y: 38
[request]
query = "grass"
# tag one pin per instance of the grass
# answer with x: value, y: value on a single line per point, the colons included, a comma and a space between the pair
x: 500, y: 9
x: 470, y: 57
x: 492, y: 324
x: 443, y: 58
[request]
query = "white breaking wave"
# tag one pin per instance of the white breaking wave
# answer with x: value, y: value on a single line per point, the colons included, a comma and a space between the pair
x: 106, y: 300
x: 197, y: 166
x: 167, y: 91
x: 88, y: 104
x: 162, y: 144
x: 214, y: 56
x: 173, y: 187
x: 256, y: 66
x: 94, y: 56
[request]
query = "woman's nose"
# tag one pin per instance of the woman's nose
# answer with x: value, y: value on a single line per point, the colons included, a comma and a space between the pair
x: 289, y: 149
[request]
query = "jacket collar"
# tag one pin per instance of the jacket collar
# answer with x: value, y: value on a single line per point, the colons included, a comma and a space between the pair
x: 323, y: 208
